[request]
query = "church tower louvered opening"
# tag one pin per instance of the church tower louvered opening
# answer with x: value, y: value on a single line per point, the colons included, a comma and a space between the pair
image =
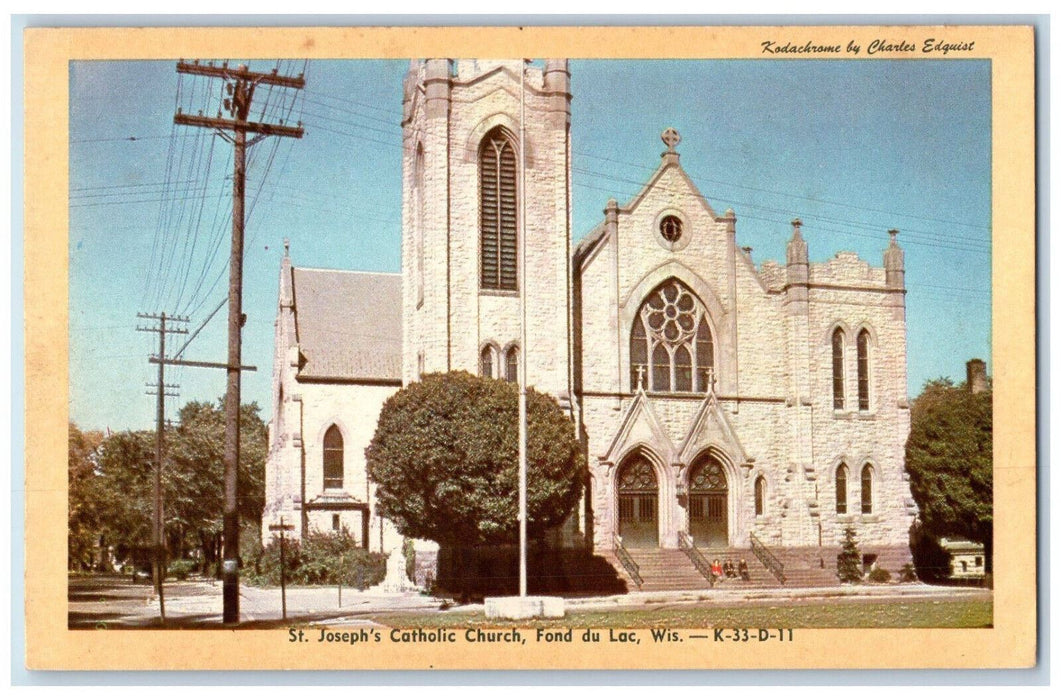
x: 498, y: 212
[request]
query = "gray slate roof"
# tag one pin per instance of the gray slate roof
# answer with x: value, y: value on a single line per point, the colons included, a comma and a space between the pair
x: 349, y: 324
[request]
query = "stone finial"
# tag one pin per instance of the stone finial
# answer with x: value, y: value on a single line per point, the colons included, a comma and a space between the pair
x: 797, y: 247
x: 671, y: 138
x: 709, y: 376
x: 893, y: 262
x: 287, y: 247
x: 557, y: 75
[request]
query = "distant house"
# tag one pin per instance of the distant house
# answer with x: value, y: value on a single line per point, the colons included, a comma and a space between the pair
x: 966, y: 559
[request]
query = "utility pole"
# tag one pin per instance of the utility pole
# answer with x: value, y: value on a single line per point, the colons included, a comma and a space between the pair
x: 157, y: 527
x: 239, y: 85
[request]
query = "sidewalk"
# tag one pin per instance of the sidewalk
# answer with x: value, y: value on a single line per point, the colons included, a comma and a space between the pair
x: 197, y: 603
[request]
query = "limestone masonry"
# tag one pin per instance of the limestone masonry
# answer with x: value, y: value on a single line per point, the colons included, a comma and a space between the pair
x: 717, y: 401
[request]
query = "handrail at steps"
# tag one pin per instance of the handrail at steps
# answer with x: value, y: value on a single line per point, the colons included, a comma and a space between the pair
x: 685, y: 543
x: 771, y: 562
x: 627, y: 561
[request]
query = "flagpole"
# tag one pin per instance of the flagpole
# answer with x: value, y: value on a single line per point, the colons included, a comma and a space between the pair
x: 522, y: 334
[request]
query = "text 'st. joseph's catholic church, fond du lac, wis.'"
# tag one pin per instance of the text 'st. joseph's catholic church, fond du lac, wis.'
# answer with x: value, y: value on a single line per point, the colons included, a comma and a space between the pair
x: 715, y: 398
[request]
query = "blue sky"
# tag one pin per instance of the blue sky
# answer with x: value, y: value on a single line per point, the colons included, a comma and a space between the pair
x: 851, y: 147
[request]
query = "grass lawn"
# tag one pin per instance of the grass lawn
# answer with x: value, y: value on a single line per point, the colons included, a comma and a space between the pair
x: 810, y: 615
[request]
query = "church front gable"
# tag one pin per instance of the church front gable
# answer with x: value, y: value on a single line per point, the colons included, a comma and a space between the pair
x: 710, y: 428
x: 639, y: 426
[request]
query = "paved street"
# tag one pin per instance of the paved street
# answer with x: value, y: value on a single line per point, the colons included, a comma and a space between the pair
x: 116, y: 602
x: 106, y: 602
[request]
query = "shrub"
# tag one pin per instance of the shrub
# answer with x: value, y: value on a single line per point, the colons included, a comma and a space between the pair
x: 321, y: 559
x: 908, y: 574
x: 880, y: 575
x: 181, y: 568
x: 849, y: 561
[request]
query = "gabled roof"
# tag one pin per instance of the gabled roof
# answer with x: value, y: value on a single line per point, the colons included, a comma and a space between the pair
x: 348, y: 324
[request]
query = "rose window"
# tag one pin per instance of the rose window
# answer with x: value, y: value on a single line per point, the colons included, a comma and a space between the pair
x: 670, y: 228
x: 671, y: 342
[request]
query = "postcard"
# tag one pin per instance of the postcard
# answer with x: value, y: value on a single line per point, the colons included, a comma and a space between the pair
x: 530, y: 347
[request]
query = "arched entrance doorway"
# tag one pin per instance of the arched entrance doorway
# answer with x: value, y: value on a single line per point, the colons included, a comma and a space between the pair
x: 638, y: 494
x: 708, y: 499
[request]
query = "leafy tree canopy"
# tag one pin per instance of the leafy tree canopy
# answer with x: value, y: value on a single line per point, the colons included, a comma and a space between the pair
x: 445, y: 458
x: 949, y: 458
x: 111, y: 478
x: 83, y: 515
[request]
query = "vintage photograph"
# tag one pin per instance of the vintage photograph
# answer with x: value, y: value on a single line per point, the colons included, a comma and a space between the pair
x: 532, y: 353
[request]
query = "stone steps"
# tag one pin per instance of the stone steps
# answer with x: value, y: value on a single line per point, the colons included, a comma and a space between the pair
x: 804, y: 567
x: 672, y: 570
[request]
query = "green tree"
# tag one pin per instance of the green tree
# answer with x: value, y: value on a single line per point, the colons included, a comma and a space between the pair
x: 193, y: 480
x: 949, y: 459
x: 849, y: 561
x: 126, y: 464
x: 445, y: 459
x: 83, y: 514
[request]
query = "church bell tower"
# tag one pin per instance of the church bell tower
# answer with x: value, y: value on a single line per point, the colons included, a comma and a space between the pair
x: 468, y: 159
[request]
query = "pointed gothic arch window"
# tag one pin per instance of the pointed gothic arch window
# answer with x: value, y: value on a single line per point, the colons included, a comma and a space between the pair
x: 760, y: 495
x: 498, y: 208
x: 863, y: 370
x: 671, y: 345
x: 841, y: 489
x: 867, y: 489
x: 512, y: 364
x: 486, y: 362
x: 333, y: 458
x: 838, y: 369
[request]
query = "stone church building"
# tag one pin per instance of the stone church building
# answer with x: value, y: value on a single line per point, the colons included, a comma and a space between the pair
x: 719, y: 403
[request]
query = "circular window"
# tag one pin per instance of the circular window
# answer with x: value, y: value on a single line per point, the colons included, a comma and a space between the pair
x: 670, y: 227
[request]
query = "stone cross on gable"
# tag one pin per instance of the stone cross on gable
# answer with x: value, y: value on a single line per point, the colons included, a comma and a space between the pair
x: 641, y: 377
x: 671, y: 137
x: 709, y: 375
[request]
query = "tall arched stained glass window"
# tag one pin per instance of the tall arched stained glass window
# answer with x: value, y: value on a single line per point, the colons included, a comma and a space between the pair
x: 863, y: 370
x: 333, y: 458
x: 486, y: 362
x: 671, y: 340
x: 841, y: 489
x: 498, y: 208
x: 838, y: 369
x: 867, y: 489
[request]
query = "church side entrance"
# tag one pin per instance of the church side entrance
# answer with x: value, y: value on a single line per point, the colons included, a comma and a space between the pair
x: 638, y: 503
x: 708, y: 498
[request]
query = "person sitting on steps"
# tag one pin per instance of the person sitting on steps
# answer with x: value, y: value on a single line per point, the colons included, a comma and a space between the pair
x: 742, y: 569
x: 716, y: 570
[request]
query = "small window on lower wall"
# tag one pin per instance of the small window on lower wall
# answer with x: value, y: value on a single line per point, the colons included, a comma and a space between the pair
x: 512, y: 365
x: 336, y: 524
x: 760, y: 496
